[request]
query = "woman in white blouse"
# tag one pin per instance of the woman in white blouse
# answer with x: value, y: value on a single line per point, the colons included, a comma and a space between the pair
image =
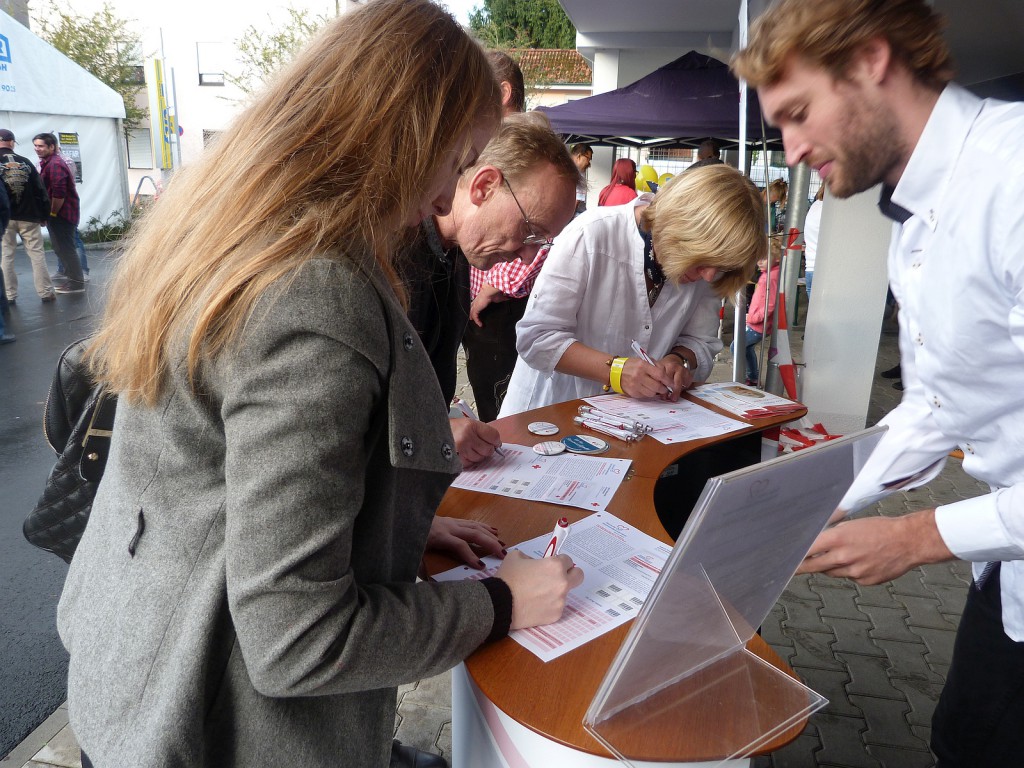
x: 653, y: 272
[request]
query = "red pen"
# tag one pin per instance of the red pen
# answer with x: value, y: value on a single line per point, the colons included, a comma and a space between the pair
x: 558, y: 537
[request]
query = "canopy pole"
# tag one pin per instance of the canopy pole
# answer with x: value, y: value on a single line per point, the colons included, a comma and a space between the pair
x: 739, y: 322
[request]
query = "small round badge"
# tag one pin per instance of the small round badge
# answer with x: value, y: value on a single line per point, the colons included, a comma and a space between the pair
x: 542, y: 428
x: 549, y: 448
x: 584, y: 444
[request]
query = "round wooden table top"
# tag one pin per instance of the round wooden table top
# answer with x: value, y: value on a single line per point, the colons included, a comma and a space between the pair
x: 551, y: 698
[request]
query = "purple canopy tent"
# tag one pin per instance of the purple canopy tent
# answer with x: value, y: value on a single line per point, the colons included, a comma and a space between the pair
x: 684, y: 102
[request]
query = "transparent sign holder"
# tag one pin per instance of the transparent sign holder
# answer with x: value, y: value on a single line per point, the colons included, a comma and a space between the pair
x: 684, y: 667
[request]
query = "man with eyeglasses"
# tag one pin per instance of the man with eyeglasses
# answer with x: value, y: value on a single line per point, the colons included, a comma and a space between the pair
x: 516, y: 197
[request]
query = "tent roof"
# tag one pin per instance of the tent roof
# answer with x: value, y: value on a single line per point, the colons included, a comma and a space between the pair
x: 38, y: 78
x: 684, y: 102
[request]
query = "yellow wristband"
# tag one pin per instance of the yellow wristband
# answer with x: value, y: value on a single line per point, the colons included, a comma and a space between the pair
x: 615, y: 377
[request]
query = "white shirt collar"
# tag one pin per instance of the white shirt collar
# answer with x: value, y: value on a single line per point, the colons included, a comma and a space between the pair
x: 925, y: 182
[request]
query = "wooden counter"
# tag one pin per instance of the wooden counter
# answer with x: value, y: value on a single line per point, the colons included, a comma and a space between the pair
x: 551, y: 698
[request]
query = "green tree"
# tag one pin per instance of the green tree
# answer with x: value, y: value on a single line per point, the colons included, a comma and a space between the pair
x: 260, y: 53
x: 103, y: 45
x: 522, y: 24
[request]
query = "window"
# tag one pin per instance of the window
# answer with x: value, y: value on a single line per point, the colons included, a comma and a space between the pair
x: 210, y: 58
x: 140, y: 149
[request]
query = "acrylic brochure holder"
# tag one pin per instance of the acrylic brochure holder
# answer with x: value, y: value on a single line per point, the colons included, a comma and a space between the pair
x: 684, y: 667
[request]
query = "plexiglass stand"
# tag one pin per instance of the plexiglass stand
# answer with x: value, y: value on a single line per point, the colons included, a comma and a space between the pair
x: 684, y: 666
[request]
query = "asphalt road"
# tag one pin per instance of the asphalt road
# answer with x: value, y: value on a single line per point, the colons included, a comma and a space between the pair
x: 33, y: 663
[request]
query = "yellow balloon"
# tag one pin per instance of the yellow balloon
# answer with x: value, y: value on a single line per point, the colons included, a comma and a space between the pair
x: 663, y: 179
x: 648, y: 172
x: 641, y: 183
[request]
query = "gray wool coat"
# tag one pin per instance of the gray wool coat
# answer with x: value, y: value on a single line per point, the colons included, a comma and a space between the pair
x: 245, y: 592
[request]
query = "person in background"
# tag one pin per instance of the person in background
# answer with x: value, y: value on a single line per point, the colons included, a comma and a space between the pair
x: 775, y: 198
x: 510, y: 80
x: 655, y: 272
x: 707, y: 154
x: 5, y: 218
x: 812, y: 226
x: 245, y: 593
x: 583, y: 156
x: 759, y: 314
x: 622, y: 187
x: 30, y: 207
x: 59, y: 180
x: 862, y: 91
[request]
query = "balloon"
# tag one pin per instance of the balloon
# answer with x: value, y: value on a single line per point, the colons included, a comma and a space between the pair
x: 663, y: 179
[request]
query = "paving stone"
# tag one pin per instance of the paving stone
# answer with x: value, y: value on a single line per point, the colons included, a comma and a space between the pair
x: 839, y: 602
x: 951, y: 598
x: 831, y: 683
x: 444, y: 742
x: 799, y: 753
x: 869, y: 676
x: 842, y: 743
x: 956, y: 573
x: 876, y: 594
x: 887, y: 723
x: 799, y: 588
x: 772, y: 631
x: 922, y: 696
x: 891, y: 757
x: 434, y: 691
x: 889, y: 623
x: 939, y: 642
x: 854, y: 637
x: 813, y: 650
x: 824, y: 580
x: 923, y: 612
x: 922, y: 732
x: 421, y: 726
x: 911, y: 583
x: 803, y: 615
x: 908, y: 661
x: 62, y: 750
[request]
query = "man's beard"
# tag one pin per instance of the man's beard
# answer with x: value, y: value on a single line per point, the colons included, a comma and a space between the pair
x: 873, y: 148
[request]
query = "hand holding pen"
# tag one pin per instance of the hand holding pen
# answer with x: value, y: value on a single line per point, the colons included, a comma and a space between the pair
x: 474, y: 440
x: 663, y: 375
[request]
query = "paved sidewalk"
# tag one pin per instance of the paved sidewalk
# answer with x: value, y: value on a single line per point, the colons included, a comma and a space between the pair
x: 879, y: 654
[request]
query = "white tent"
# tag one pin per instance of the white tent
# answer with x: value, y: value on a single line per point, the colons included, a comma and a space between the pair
x: 41, y: 90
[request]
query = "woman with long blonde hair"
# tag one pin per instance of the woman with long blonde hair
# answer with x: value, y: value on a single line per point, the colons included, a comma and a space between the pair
x: 245, y: 591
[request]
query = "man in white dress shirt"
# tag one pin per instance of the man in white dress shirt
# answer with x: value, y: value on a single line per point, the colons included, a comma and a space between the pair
x: 861, y: 90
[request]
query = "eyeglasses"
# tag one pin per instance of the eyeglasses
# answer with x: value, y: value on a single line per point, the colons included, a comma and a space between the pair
x: 533, y: 238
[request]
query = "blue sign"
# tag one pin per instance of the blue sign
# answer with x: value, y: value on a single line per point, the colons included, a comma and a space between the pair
x: 5, y: 49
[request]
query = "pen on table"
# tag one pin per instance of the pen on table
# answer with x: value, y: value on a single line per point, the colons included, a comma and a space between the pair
x: 646, y: 358
x: 558, y: 537
x: 468, y: 412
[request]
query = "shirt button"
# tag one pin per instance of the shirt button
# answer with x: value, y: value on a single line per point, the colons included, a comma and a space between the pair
x: 447, y: 452
x: 968, y: 447
x: 647, y: 327
x: 919, y: 340
x: 408, y: 342
x: 937, y: 403
x: 407, y: 448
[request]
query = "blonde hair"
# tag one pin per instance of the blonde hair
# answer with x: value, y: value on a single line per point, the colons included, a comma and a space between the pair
x: 828, y: 33
x: 524, y: 141
x: 710, y: 216
x: 335, y: 156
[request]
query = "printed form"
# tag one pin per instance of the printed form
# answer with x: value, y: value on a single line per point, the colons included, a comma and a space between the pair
x: 586, y: 482
x: 670, y: 422
x: 620, y: 565
x: 744, y: 401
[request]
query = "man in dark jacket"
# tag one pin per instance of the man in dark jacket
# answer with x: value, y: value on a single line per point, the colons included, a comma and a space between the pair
x: 30, y: 206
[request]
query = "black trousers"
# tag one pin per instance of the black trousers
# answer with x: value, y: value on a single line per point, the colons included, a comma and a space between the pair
x: 979, y: 720
x: 86, y: 763
x: 62, y: 238
x: 491, y: 354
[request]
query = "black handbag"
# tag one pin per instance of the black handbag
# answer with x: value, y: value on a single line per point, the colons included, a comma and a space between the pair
x: 78, y: 421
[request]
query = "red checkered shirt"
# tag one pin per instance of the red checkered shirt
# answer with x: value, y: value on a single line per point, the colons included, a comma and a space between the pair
x: 513, y: 278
